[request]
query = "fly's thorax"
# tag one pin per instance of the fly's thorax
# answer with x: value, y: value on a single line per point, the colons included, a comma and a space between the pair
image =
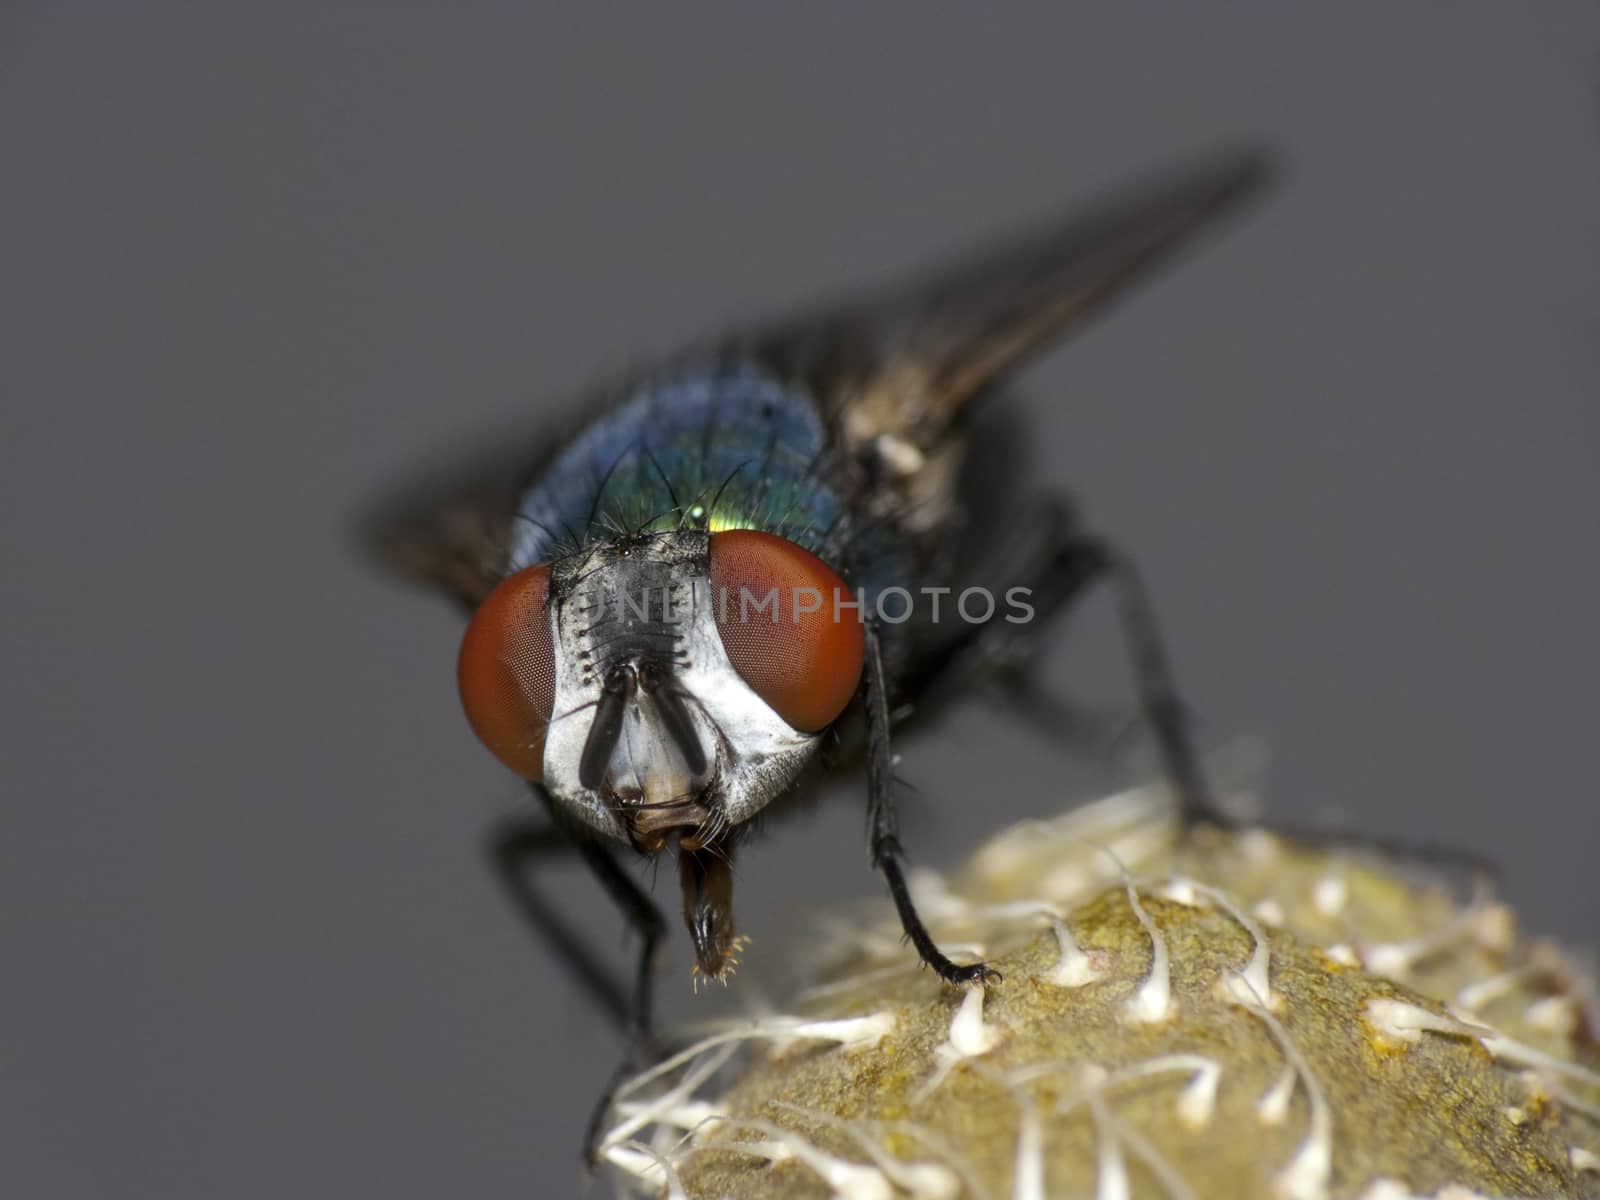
x: 654, y: 732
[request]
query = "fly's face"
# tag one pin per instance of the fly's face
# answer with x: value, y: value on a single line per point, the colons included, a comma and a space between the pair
x: 646, y: 693
x: 665, y: 686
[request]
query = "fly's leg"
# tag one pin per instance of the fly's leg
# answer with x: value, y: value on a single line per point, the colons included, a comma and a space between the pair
x: 514, y: 847
x: 511, y: 851
x: 883, y: 826
x: 1152, y: 676
x: 1071, y: 562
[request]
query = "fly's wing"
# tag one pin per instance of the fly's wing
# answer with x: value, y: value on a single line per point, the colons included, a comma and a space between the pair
x: 452, y: 528
x: 904, y: 364
x: 893, y: 372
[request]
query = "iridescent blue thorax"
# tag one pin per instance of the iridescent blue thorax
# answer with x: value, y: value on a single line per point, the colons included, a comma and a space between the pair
x: 731, y: 448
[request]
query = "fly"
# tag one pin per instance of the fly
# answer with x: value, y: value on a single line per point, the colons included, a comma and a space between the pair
x: 624, y: 655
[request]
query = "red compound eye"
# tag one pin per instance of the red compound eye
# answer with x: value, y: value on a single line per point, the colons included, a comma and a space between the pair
x: 780, y: 611
x: 507, y: 671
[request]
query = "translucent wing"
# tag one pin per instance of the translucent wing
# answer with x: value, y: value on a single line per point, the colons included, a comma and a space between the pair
x: 906, y: 361
x: 451, y: 529
x: 898, y: 364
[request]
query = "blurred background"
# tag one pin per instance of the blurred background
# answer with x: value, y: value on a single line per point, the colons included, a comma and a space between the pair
x: 261, y: 261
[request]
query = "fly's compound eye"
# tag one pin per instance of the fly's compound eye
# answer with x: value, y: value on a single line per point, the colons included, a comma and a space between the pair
x: 783, y: 616
x: 507, y: 671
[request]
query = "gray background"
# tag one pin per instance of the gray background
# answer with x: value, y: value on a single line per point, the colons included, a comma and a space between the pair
x: 258, y: 260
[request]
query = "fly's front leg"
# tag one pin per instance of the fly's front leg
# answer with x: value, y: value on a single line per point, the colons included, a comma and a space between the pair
x: 642, y: 915
x: 645, y: 918
x: 883, y: 826
x: 515, y: 847
x: 512, y: 850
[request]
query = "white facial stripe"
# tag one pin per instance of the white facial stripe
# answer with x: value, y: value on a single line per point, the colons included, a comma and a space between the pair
x: 753, y: 753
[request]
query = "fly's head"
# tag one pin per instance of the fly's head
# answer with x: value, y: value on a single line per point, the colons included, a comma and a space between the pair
x: 664, y: 688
